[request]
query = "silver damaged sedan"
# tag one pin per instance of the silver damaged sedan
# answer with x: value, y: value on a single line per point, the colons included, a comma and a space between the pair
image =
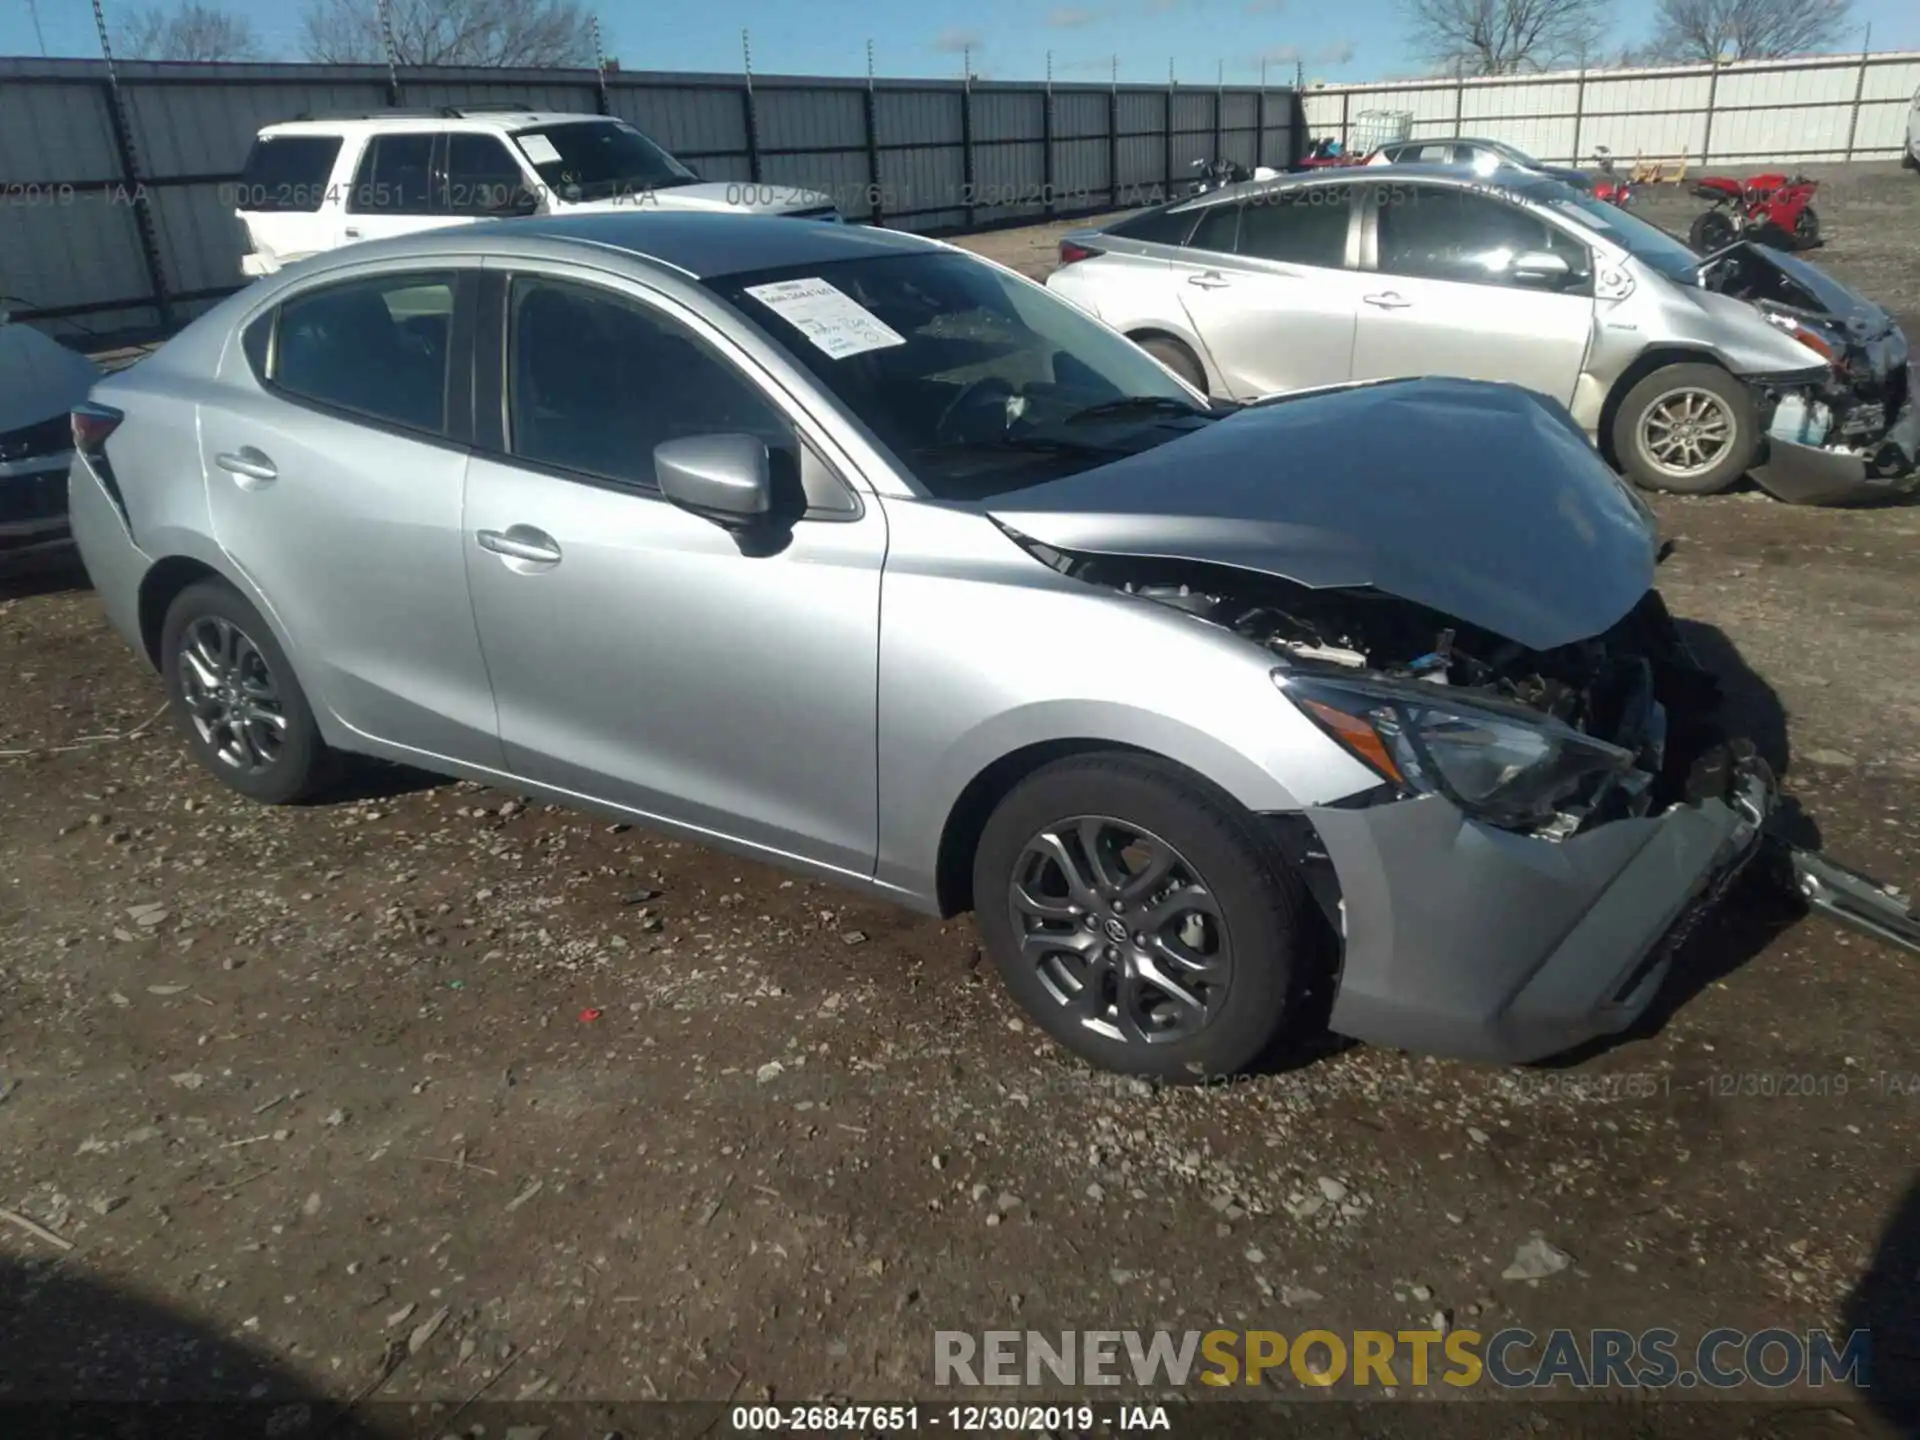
x: 1688, y: 373
x: 848, y: 551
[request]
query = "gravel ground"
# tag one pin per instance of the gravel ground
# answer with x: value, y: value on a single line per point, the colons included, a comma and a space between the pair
x: 426, y: 1092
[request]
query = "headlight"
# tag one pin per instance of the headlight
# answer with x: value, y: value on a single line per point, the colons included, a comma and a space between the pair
x: 1515, y: 769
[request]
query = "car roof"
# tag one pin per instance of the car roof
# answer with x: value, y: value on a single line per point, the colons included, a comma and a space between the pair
x: 1507, y: 176
x: 701, y: 244
x: 493, y: 120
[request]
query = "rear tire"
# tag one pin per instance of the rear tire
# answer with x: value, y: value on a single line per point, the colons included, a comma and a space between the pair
x: 233, y: 693
x: 1909, y: 159
x: 1806, y: 229
x: 1687, y: 429
x: 1223, y: 918
x: 1177, y: 358
x: 1711, y: 231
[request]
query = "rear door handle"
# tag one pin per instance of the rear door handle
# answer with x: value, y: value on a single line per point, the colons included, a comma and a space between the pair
x: 352, y: 232
x: 522, y: 542
x: 1210, y: 280
x: 1387, y: 300
x: 248, y: 463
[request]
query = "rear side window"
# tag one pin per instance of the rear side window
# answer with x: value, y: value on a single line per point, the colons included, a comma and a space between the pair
x: 394, y: 177
x: 1161, y: 227
x: 286, y: 172
x: 1302, y: 227
x: 377, y: 347
x: 1219, y: 229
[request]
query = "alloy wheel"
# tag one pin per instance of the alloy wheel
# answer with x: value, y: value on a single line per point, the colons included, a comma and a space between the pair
x: 230, y: 695
x: 1686, y: 432
x: 1121, y: 930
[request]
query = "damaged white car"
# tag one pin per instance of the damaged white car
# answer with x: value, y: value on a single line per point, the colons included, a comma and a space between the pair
x: 1687, y: 373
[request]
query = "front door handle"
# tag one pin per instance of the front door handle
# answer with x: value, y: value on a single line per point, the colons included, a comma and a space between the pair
x: 1210, y: 280
x: 1387, y: 300
x: 248, y: 464
x: 352, y: 232
x: 522, y: 542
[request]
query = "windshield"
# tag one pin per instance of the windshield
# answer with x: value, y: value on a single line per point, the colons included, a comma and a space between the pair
x: 1645, y: 242
x: 599, y: 160
x: 978, y: 382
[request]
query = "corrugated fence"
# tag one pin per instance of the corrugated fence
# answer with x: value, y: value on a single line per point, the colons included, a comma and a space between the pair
x: 116, y: 210
x: 1841, y: 107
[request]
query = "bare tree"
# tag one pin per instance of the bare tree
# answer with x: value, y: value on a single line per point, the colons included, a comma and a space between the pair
x: 1505, y: 37
x: 190, y: 31
x: 1746, y: 29
x: 506, y: 33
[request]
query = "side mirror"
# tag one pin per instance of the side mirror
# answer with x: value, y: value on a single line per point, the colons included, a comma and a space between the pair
x: 722, y: 478
x: 1541, y: 267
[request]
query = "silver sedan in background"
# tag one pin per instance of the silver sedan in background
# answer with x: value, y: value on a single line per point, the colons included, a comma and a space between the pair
x: 1688, y: 373
x: 847, y: 550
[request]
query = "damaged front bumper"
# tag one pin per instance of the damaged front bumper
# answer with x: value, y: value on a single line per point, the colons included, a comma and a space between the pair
x: 1845, y: 474
x: 1467, y: 940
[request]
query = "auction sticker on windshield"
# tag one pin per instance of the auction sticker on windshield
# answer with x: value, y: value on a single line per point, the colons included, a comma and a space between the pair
x: 540, y: 149
x: 832, y: 319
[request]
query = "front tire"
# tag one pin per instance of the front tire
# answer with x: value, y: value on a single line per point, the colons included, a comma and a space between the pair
x: 1711, y: 231
x: 234, y: 695
x: 1806, y: 229
x: 1686, y: 429
x: 1177, y: 358
x: 1141, y: 919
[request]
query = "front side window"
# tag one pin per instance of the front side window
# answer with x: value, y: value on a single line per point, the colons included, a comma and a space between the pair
x: 597, y: 380
x: 1445, y: 233
x: 583, y: 160
x: 482, y: 178
x: 978, y: 382
x: 377, y: 347
x: 395, y: 177
x: 1301, y: 227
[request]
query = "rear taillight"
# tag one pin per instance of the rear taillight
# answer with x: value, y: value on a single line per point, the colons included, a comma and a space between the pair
x: 92, y: 424
x: 1070, y: 252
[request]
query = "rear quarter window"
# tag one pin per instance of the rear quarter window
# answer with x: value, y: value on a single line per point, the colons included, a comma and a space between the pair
x: 286, y: 172
x: 1162, y: 227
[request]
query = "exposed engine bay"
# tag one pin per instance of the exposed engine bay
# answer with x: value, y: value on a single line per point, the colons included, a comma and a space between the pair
x: 1859, y: 406
x: 1635, y: 687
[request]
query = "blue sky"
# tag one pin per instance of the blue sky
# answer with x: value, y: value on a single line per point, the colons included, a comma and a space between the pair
x: 1350, y: 40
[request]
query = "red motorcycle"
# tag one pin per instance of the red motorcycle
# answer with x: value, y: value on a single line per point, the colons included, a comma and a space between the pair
x: 1775, y: 209
x: 1611, y: 188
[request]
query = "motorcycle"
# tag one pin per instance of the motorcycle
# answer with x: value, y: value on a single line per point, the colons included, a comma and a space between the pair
x: 1774, y: 209
x: 1611, y: 188
x: 1216, y: 174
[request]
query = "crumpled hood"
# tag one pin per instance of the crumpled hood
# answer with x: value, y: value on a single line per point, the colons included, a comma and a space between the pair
x: 1482, y: 501
x: 39, y: 377
x: 712, y: 195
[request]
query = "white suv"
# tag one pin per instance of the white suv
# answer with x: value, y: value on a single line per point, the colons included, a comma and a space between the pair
x: 316, y: 184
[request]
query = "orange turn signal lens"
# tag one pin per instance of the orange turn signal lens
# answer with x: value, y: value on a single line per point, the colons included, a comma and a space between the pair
x: 1357, y: 735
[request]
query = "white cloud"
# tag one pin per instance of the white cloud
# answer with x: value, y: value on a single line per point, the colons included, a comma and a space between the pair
x: 1072, y: 17
x: 953, y: 42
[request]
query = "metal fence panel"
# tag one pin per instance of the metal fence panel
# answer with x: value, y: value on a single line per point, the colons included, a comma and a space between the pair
x: 147, y: 235
x: 1833, y: 107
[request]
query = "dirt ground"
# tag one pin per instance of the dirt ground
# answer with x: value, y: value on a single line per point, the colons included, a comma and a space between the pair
x: 426, y: 1093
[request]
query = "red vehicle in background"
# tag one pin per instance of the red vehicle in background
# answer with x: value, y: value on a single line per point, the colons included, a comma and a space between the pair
x: 1612, y: 188
x: 1773, y: 209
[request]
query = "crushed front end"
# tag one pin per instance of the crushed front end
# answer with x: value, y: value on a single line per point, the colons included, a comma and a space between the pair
x: 1547, y: 827
x: 1844, y: 429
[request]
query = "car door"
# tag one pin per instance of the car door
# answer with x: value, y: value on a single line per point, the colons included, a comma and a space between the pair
x: 1269, y: 289
x: 335, y: 457
x: 393, y: 189
x: 644, y: 656
x: 1444, y: 298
